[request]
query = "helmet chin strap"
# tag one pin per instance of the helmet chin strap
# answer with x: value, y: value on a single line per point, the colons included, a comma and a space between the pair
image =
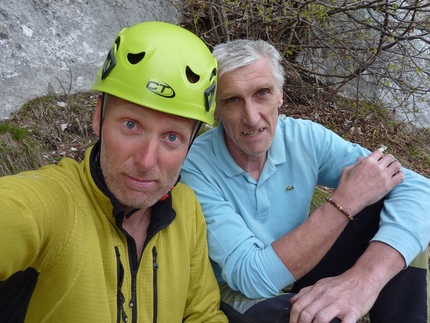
x: 100, y: 128
x: 195, y: 132
x: 102, y: 112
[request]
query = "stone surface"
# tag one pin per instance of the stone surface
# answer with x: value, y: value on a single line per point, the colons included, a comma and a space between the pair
x: 49, y: 46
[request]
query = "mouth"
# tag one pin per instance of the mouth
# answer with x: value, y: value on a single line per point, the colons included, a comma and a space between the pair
x: 141, y: 183
x: 253, y: 133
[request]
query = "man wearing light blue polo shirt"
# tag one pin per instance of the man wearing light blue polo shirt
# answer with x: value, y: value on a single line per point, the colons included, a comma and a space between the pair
x: 255, y: 175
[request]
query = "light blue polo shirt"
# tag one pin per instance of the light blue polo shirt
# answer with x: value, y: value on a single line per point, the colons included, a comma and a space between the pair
x: 245, y: 216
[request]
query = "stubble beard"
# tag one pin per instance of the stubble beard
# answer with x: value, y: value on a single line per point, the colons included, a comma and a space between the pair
x: 136, y: 198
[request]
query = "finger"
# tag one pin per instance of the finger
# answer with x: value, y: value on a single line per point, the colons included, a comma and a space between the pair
x: 336, y: 311
x: 398, y: 177
x: 299, y: 302
x: 377, y: 154
x: 332, y: 311
x: 318, y: 311
x: 387, y: 160
x: 349, y: 318
x: 394, y: 165
x: 302, y: 292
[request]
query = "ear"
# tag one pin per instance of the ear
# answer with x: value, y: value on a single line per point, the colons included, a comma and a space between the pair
x: 97, y: 116
x: 216, y: 111
x: 281, y: 98
x: 216, y: 116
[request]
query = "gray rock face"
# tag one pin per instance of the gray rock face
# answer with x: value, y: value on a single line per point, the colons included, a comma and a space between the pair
x: 57, y: 46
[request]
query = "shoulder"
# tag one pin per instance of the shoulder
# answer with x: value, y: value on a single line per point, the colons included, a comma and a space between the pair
x: 292, y: 124
x: 48, y: 191
x: 189, y: 215
x: 295, y: 131
x: 184, y: 198
x: 48, y: 178
x: 202, y: 151
x: 183, y: 190
x: 203, y: 141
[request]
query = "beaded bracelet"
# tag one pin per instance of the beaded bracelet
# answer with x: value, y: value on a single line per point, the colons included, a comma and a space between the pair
x: 341, y: 209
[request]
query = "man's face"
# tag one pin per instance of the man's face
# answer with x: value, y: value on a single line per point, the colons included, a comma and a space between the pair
x: 142, y: 151
x: 247, y: 103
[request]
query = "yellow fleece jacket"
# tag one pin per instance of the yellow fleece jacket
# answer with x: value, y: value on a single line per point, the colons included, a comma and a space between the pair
x: 63, y: 257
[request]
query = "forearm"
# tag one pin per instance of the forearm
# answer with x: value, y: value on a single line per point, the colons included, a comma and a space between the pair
x: 361, y: 184
x: 378, y: 264
x: 302, y: 249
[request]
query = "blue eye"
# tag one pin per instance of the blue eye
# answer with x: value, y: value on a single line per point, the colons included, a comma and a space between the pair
x: 130, y: 124
x: 263, y: 92
x: 172, y: 137
x: 232, y: 100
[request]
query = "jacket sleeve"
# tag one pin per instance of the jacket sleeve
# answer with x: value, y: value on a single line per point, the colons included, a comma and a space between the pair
x: 30, y: 221
x: 203, y: 301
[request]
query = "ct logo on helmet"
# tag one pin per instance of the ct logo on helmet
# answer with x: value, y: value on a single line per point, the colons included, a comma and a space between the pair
x: 160, y: 88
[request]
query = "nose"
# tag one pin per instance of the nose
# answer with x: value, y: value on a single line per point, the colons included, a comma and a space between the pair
x: 251, y: 115
x: 146, y: 153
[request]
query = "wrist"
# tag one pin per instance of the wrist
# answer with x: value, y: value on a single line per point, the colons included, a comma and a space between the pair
x: 349, y: 202
x: 340, y: 208
x: 378, y: 264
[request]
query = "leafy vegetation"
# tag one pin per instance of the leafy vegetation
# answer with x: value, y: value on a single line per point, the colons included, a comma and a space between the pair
x: 330, y: 46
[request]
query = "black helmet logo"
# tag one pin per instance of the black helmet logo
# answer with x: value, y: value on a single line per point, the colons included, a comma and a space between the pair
x: 161, y: 89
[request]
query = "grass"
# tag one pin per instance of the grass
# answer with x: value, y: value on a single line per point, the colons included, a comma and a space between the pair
x: 18, y: 151
x: 45, y: 130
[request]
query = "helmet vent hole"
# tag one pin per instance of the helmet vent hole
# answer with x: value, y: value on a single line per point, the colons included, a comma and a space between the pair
x: 135, y: 58
x: 191, y: 76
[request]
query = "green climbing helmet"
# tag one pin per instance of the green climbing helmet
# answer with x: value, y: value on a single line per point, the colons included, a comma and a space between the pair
x: 163, y: 67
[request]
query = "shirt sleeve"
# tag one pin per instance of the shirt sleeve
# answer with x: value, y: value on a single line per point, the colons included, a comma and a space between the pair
x: 405, y: 217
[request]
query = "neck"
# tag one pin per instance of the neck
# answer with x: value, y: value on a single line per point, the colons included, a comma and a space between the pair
x: 137, y: 227
x: 252, y: 164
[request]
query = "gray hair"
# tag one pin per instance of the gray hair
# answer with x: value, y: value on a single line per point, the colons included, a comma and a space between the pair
x: 244, y: 52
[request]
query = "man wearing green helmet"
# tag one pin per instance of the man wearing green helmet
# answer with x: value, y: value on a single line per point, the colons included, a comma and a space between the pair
x: 116, y: 238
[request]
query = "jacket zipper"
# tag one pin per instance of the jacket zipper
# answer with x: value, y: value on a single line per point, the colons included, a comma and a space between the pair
x: 154, y: 283
x: 132, y: 303
x: 120, y: 296
x: 134, y: 265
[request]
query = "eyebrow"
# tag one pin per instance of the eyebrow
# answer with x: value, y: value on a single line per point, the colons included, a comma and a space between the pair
x: 227, y: 94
